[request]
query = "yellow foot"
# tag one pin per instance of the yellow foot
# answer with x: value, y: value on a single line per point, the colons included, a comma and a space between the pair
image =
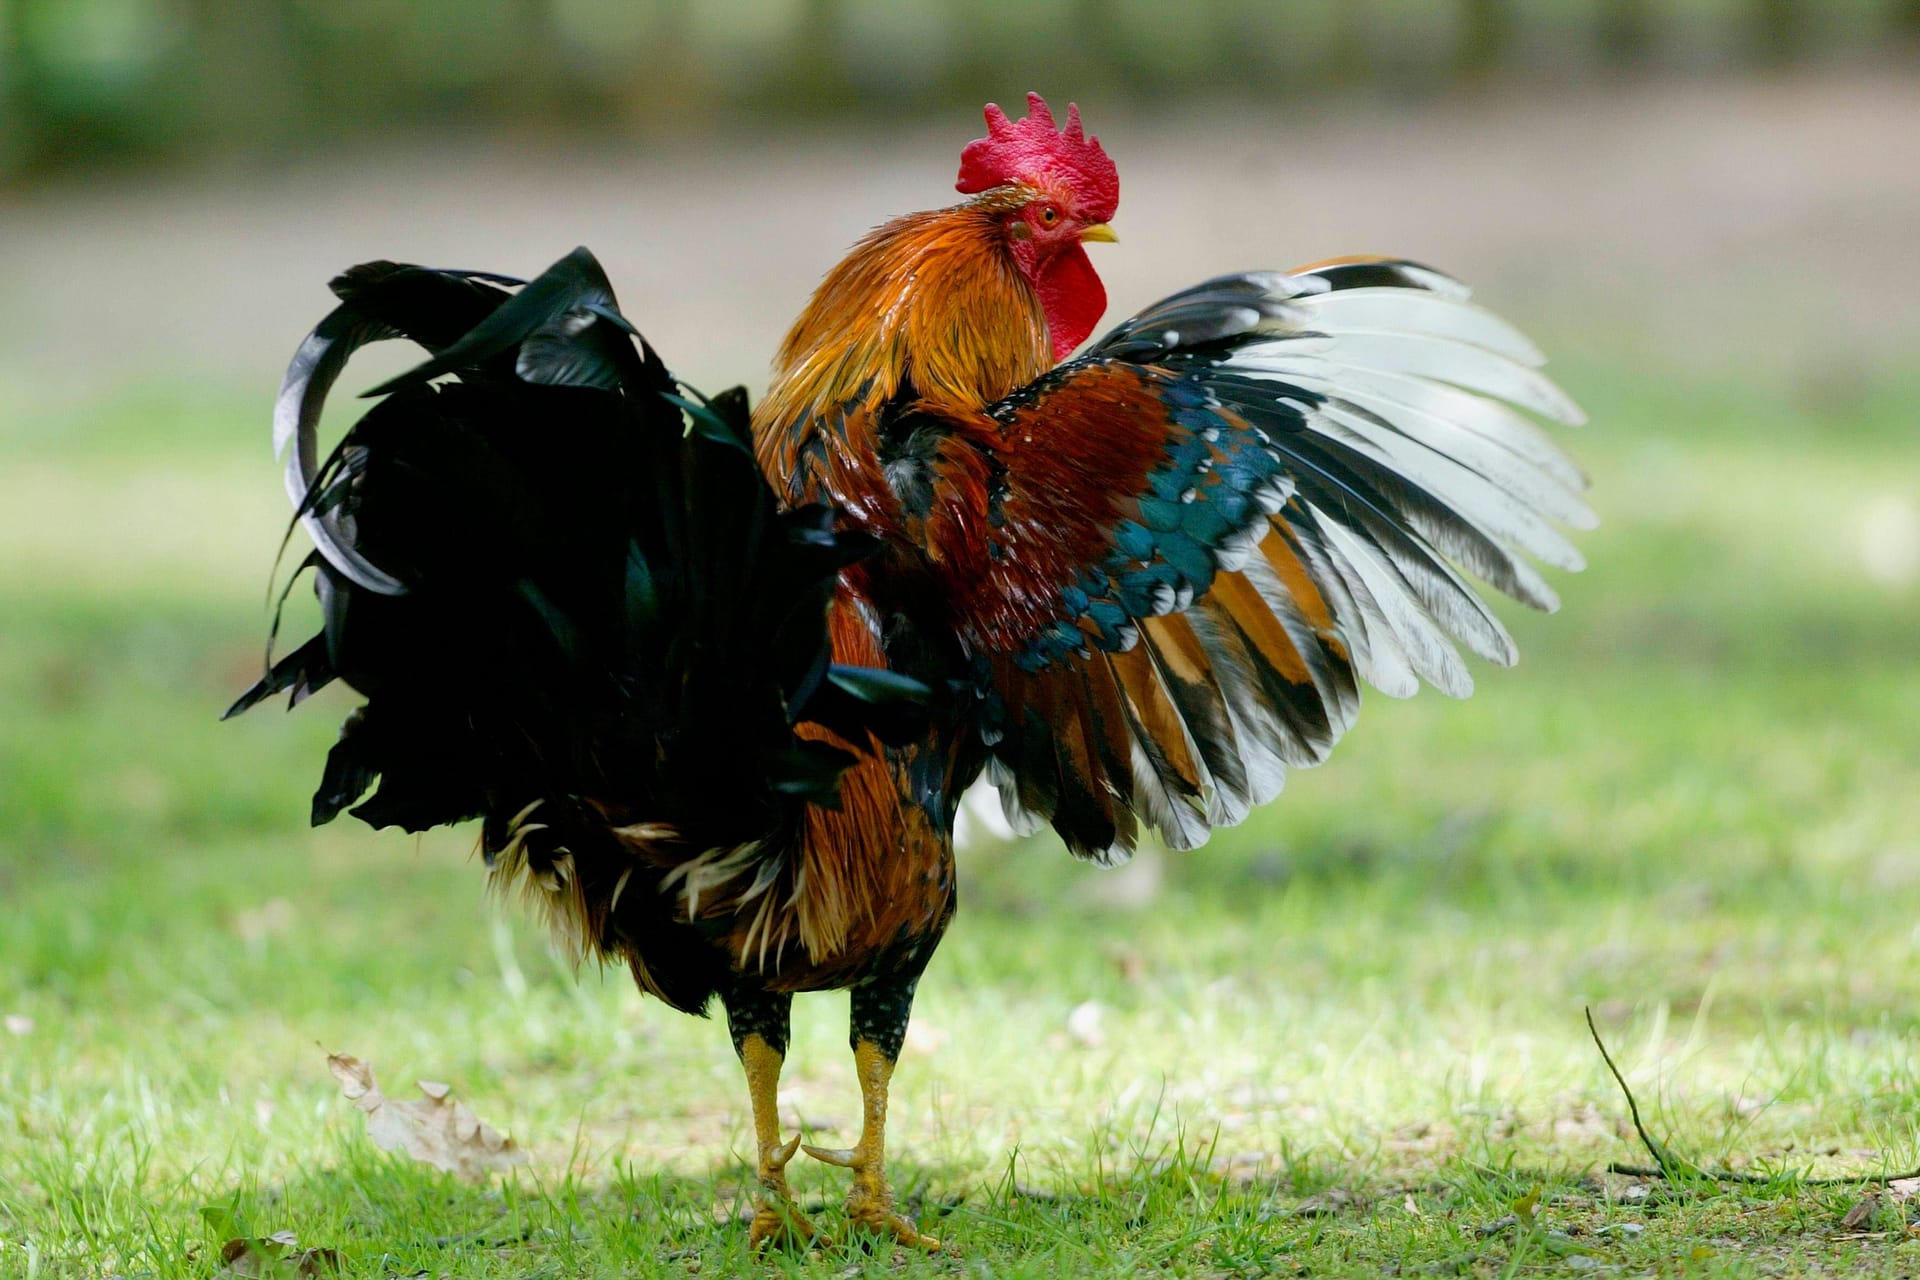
x: 870, y: 1203
x: 888, y: 1224
x: 777, y: 1221
x: 782, y: 1227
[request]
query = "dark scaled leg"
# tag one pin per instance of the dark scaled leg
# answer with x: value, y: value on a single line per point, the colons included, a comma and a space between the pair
x: 758, y: 1021
x: 880, y: 1010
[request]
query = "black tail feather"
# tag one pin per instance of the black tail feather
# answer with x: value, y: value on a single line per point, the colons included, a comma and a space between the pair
x: 557, y: 578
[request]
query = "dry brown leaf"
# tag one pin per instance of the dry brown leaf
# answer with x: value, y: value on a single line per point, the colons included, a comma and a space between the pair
x: 1901, y: 1190
x: 1862, y: 1211
x: 277, y: 1257
x: 435, y: 1129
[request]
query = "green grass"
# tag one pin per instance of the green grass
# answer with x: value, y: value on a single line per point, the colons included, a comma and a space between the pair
x: 1344, y: 1039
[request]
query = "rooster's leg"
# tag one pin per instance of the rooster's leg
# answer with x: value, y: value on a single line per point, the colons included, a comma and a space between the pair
x: 758, y: 1021
x: 879, y: 1026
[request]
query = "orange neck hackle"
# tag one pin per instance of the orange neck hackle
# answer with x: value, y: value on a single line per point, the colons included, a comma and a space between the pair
x: 942, y: 312
x: 931, y: 305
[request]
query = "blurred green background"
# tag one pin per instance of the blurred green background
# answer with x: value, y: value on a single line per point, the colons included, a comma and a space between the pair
x: 1694, y: 805
x: 182, y: 79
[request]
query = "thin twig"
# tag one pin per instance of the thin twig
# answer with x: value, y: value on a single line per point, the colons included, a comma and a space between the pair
x: 1672, y: 1168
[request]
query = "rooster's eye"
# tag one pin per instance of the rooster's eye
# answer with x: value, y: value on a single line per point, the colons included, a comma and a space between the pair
x: 1049, y: 215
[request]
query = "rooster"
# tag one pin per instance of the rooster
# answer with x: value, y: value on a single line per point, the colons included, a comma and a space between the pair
x: 714, y: 679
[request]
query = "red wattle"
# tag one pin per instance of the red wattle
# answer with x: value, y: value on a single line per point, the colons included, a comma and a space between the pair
x: 1072, y: 297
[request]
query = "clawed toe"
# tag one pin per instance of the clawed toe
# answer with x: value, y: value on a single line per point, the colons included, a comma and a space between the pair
x: 870, y: 1210
x: 783, y: 1226
x: 893, y: 1226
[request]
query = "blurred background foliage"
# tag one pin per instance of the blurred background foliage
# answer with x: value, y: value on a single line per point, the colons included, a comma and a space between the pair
x: 87, y: 81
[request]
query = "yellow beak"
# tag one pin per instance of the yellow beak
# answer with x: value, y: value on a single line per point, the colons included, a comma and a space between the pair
x: 1100, y: 232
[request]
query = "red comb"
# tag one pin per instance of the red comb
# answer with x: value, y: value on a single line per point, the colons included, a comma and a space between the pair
x: 1028, y: 149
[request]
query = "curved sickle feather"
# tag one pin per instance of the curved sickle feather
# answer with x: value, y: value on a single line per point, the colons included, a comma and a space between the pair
x: 572, y: 289
x: 296, y: 421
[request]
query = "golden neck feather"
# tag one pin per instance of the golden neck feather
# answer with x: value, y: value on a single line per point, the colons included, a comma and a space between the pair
x: 931, y: 300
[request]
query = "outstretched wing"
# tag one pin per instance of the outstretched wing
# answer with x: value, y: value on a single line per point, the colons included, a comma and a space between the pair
x: 1177, y: 552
